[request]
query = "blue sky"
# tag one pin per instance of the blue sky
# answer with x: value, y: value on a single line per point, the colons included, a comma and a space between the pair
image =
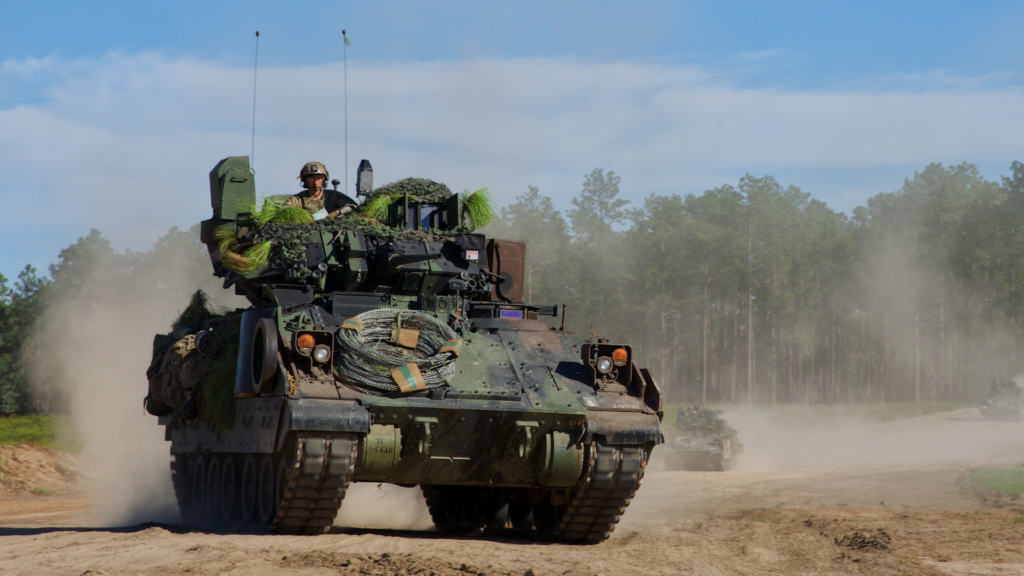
x: 810, y: 44
x: 134, y: 102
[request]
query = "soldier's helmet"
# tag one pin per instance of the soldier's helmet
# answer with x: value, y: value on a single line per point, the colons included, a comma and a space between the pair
x: 313, y: 169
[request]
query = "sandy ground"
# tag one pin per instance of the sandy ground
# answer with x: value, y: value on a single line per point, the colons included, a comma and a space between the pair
x: 851, y: 499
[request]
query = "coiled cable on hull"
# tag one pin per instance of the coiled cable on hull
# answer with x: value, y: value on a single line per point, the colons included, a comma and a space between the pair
x: 376, y: 342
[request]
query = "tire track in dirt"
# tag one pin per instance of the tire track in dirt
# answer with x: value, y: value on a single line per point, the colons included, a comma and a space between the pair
x: 903, y: 517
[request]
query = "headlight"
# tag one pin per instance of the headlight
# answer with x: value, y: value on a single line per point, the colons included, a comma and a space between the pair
x: 604, y: 365
x: 322, y: 353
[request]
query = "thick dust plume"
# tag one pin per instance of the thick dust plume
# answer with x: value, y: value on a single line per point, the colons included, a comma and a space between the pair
x: 368, y: 505
x: 95, y: 346
x: 97, y: 333
x: 790, y: 437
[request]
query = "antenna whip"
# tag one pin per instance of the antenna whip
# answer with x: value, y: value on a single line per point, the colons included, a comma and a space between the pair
x: 344, y: 51
x: 255, y: 67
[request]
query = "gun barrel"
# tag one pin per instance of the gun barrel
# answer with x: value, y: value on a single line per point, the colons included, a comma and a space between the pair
x: 395, y: 262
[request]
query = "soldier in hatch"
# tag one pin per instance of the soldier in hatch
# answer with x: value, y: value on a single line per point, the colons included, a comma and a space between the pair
x: 316, y: 199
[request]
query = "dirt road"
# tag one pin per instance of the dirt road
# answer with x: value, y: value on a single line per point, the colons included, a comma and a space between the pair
x: 852, y: 499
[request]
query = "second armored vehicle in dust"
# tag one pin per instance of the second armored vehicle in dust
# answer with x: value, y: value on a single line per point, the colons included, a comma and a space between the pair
x: 702, y: 440
x: 391, y: 344
x: 1004, y: 402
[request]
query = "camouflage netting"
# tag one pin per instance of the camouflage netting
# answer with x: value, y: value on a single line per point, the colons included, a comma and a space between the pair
x: 200, y: 309
x: 286, y: 240
x: 420, y: 189
x: 278, y: 242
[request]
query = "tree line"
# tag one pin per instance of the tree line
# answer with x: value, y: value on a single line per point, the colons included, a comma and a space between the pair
x: 754, y: 292
x: 42, y: 315
x: 759, y: 293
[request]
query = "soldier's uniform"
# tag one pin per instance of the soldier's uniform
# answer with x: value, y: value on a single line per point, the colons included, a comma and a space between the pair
x: 329, y: 202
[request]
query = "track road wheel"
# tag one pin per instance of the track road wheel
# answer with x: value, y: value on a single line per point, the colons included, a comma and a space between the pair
x: 199, y: 491
x: 520, y: 512
x: 546, y: 517
x: 266, y: 490
x: 455, y: 509
x: 213, y: 488
x: 249, y: 489
x: 182, y: 482
x: 228, y: 489
x: 496, y: 509
x: 473, y: 508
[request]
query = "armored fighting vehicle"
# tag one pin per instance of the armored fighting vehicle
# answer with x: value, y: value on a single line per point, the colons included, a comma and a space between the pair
x: 702, y: 440
x: 1004, y: 401
x: 391, y: 344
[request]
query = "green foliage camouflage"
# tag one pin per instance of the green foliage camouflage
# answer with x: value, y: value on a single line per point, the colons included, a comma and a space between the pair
x: 377, y: 206
x: 200, y: 309
x: 256, y: 254
x: 479, y: 207
x: 278, y: 246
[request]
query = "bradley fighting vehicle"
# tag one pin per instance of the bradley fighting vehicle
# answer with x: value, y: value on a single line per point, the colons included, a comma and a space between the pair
x: 1004, y: 401
x: 702, y: 440
x: 392, y: 344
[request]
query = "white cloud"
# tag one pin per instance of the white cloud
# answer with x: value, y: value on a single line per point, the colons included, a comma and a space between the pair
x: 123, y: 143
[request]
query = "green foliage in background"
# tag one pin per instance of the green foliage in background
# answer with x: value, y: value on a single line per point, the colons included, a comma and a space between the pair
x: 50, y: 431
x: 750, y: 292
x: 755, y: 292
x: 20, y: 308
x: 1005, y: 480
x: 77, y: 281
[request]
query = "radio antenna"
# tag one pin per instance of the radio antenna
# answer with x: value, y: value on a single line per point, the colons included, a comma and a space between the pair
x: 255, y: 67
x: 344, y: 51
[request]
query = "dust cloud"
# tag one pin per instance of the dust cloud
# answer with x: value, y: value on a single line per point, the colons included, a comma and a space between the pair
x: 799, y: 437
x: 369, y: 505
x: 98, y: 335
x: 96, y: 343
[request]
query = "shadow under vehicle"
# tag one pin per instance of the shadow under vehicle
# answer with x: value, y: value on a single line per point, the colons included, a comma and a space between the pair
x: 1004, y: 401
x: 702, y: 440
x: 391, y: 344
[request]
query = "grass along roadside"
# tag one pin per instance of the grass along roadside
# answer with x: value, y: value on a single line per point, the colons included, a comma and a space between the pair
x: 50, y: 431
x: 829, y: 413
x: 989, y: 481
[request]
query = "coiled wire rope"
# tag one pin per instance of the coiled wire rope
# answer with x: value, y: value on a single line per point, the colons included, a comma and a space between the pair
x: 368, y: 355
